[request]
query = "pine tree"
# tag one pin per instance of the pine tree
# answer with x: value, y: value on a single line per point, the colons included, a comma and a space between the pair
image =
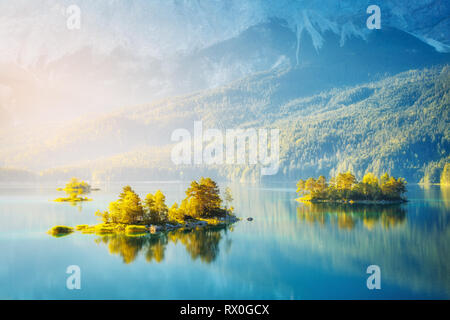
x: 204, y: 197
x: 155, y: 208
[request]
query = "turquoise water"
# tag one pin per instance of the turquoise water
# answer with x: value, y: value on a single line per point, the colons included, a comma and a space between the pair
x: 289, y: 250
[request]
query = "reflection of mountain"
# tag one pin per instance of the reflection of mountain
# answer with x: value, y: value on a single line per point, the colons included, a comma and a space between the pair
x: 201, y: 243
x: 346, y: 216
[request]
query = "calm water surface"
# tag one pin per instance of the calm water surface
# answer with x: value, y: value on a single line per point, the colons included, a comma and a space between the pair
x: 289, y: 250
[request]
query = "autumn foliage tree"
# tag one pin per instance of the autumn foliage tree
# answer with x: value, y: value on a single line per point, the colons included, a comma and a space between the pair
x: 156, y: 210
x: 203, y: 197
x: 345, y: 187
x: 127, y: 209
x: 202, y: 200
x: 75, y: 188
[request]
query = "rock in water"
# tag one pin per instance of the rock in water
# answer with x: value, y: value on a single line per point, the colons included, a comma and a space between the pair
x: 155, y: 229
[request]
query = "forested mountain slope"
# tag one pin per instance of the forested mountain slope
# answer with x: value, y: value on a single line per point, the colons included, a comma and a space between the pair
x: 399, y: 124
x: 374, y: 102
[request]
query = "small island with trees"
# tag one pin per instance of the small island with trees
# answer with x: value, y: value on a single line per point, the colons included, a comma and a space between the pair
x: 344, y: 188
x: 129, y: 214
x: 74, y: 189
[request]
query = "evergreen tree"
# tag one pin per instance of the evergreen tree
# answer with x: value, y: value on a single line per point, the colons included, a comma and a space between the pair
x: 155, y: 208
x: 346, y: 187
x: 204, y: 197
x: 127, y: 209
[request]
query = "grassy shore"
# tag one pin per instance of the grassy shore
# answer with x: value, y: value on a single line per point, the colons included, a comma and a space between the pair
x: 136, y: 229
x: 60, y: 231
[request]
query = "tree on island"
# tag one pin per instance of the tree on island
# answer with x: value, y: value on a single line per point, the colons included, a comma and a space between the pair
x: 204, y: 198
x: 201, y: 207
x: 175, y: 213
x: 156, y: 211
x: 345, y: 187
x: 202, y: 201
x: 74, y: 189
x: 127, y: 209
x: 125, y: 189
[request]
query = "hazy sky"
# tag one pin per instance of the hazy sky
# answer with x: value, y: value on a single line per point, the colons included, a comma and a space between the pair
x: 109, y: 61
x: 32, y: 29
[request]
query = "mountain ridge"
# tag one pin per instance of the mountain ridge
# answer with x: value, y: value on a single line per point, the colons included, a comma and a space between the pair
x: 398, y: 124
x: 336, y: 77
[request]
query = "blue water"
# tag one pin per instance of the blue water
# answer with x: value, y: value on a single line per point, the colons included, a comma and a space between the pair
x: 289, y: 250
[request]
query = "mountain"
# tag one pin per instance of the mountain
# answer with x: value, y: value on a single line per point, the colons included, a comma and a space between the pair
x: 310, y: 93
x: 398, y: 124
x: 138, y: 52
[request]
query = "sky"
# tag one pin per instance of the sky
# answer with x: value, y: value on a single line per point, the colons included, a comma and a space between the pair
x: 125, y: 51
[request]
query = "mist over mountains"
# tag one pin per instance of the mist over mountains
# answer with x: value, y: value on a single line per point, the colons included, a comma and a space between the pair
x: 335, y: 114
x: 135, y: 52
x: 343, y: 96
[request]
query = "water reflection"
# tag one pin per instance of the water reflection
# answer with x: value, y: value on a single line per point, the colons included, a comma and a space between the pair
x: 78, y: 205
x: 347, y: 216
x: 439, y: 195
x: 200, y: 243
x: 278, y: 255
x: 445, y: 194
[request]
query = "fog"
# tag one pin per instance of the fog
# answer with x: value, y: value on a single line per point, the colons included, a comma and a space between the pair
x: 133, y: 52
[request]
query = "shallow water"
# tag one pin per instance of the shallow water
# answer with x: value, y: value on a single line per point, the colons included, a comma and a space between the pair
x: 289, y: 250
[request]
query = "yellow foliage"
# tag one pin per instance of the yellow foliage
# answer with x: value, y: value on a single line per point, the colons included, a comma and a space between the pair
x: 136, y: 229
x: 58, y: 231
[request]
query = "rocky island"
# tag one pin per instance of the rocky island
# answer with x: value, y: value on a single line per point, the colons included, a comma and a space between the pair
x: 74, y: 189
x: 129, y: 214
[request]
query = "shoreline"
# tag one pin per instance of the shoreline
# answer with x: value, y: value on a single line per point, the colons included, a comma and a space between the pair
x: 71, y: 200
x: 141, y: 229
x: 354, y: 201
x: 433, y: 184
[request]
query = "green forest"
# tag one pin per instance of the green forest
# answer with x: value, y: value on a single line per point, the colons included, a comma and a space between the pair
x: 398, y: 124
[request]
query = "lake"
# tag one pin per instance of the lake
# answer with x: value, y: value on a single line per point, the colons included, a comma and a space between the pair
x: 289, y: 250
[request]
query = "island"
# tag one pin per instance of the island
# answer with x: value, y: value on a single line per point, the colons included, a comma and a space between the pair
x: 344, y: 188
x: 130, y: 215
x: 74, y: 189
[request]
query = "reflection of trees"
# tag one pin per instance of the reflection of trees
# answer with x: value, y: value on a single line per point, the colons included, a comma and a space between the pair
x: 346, y: 216
x: 440, y: 193
x: 156, y: 248
x: 200, y: 243
x: 445, y: 194
x: 77, y: 205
